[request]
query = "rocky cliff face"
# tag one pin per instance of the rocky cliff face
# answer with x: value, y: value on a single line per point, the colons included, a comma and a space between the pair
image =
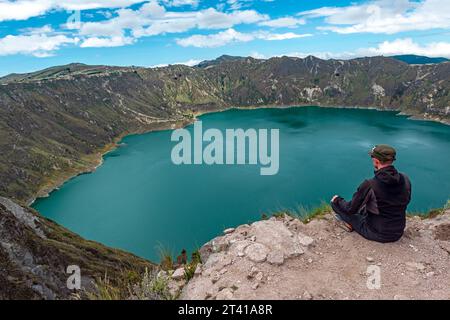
x: 55, y: 122
x: 283, y: 258
x: 35, y: 254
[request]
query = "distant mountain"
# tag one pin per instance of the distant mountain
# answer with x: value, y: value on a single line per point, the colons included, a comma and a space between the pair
x: 57, y: 72
x: 219, y: 60
x: 414, y: 59
x: 55, y: 123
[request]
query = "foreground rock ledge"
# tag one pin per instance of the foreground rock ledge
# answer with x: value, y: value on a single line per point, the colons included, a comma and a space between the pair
x: 282, y: 258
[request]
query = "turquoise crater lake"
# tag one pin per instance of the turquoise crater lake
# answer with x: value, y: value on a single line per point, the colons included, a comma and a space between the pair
x: 138, y: 200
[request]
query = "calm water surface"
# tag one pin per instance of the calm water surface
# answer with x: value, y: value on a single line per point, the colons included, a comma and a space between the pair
x: 139, y: 201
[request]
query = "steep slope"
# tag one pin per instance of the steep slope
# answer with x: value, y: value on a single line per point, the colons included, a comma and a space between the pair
x: 57, y: 122
x: 368, y: 82
x: 53, y: 129
x: 282, y: 258
x: 35, y: 254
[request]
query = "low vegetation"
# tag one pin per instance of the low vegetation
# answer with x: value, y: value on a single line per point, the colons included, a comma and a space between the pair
x: 303, y: 213
x: 149, y: 286
x: 189, y: 268
x: 432, y: 213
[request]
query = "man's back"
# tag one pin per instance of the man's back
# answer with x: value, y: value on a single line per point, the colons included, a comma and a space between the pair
x: 393, y: 193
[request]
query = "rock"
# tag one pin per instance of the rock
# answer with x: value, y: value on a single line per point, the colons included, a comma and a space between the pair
x: 265, y: 268
x: 162, y: 274
x: 413, y: 266
x: 239, y: 246
x: 226, y: 261
x: 252, y: 273
x: 225, y: 294
x: 223, y: 271
x: 275, y: 257
x: 208, y: 294
x: 175, y: 287
x: 178, y: 274
x: 293, y: 250
x: 229, y: 230
x: 305, y: 241
x: 445, y: 245
x: 220, y: 244
x: 307, y: 296
x: 198, y: 270
x: 215, y: 277
x: 259, y: 276
x: 256, y: 252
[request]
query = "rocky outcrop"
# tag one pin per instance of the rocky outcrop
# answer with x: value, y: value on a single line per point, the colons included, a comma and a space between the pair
x: 35, y: 254
x: 283, y: 258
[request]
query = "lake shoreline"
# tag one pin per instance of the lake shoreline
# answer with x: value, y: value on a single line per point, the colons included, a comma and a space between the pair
x: 98, y: 158
x: 172, y: 124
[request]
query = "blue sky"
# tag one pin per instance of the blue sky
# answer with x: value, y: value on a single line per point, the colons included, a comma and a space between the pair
x: 35, y: 34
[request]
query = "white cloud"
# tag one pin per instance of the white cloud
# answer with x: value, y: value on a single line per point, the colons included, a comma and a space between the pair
x: 39, y: 30
x: 386, y: 48
x: 231, y: 36
x: 189, y: 63
x: 38, y: 45
x: 96, y: 42
x: 180, y: 3
x: 215, y: 40
x: 153, y: 19
x: 280, y: 36
x: 408, y: 46
x: 25, y: 9
x: 286, y: 22
x: 384, y: 16
x: 239, y: 4
x: 322, y: 55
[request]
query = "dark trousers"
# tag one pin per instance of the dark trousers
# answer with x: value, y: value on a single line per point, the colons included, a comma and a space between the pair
x: 359, y: 224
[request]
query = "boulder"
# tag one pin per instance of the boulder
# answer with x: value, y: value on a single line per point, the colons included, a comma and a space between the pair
x: 257, y: 252
x: 178, y: 274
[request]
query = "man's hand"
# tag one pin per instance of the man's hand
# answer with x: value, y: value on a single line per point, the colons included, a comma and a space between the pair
x: 334, y: 198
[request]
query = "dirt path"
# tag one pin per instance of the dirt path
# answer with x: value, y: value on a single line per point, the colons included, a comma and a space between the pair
x: 282, y: 258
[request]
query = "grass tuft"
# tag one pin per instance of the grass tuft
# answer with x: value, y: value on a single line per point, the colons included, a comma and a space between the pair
x: 152, y: 287
x: 189, y: 269
x: 432, y: 213
x: 305, y: 214
x: 166, y: 258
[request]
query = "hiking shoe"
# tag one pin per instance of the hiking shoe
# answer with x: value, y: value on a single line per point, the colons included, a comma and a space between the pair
x: 342, y: 224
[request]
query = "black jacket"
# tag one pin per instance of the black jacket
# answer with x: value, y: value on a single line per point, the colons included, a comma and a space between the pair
x: 384, y: 198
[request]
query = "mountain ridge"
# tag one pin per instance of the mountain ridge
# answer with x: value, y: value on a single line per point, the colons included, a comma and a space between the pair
x: 56, y: 123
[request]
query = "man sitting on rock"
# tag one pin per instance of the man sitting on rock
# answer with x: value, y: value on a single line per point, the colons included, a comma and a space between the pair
x: 377, y: 210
